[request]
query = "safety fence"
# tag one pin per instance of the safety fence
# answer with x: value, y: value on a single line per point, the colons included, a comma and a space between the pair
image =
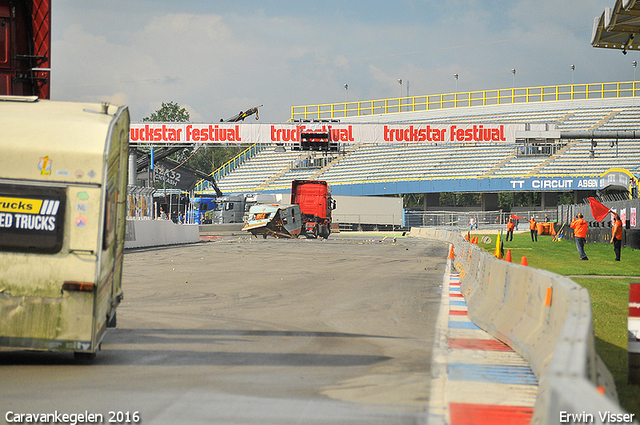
x: 140, y: 202
x: 462, y: 220
x: 466, y: 99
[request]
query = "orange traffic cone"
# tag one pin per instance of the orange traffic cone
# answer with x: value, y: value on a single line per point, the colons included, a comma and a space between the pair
x: 523, y: 261
x: 474, y: 240
x: 451, y: 254
x: 466, y: 238
x: 507, y: 257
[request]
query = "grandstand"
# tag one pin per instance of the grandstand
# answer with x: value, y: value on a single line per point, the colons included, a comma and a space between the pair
x: 367, y: 169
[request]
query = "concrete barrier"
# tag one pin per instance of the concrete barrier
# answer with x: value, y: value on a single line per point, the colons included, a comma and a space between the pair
x: 509, y: 302
x: 145, y: 233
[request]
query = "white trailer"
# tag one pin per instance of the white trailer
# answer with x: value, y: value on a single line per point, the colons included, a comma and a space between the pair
x: 63, y: 192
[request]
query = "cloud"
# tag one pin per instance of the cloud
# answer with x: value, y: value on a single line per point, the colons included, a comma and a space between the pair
x: 223, y: 59
x: 341, y: 61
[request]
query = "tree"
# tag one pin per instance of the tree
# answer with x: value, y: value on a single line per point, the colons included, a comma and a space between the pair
x: 169, y: 112
x: 462, y: 199
x: 205, y: 158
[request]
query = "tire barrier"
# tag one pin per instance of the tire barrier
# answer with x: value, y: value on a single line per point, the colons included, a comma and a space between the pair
x: 544, y: 317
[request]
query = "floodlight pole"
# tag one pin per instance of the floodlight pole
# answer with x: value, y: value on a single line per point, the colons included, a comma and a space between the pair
x: 573, y: 68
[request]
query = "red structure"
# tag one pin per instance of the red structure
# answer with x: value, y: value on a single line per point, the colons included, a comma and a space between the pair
x: 25, y: 47
x: 316, y: 204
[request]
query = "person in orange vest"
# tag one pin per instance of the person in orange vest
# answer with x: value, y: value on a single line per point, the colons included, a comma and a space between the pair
x: 580, y: 227
x: 510, y: 227
x: 616, y: 235
x: 533, y: 227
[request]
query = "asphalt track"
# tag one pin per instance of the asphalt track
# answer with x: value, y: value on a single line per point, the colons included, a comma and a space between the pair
x: 250, y: 331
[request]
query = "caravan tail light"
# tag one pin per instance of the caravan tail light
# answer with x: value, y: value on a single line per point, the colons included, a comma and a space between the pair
x: 78, y: 286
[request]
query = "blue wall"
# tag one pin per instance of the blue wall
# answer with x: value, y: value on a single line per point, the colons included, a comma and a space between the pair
x: 506, y: 184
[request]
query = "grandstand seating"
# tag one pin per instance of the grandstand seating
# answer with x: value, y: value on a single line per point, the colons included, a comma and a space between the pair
x: 256, y: 171
x: 577, y: 159
x: 273, y: 171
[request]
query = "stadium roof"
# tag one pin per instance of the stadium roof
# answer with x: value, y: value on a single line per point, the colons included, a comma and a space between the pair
x: 618, y: 27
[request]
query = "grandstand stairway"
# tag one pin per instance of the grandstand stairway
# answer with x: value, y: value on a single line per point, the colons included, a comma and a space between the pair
x: 499, y: 165
x: 552, y: 158
x: 605, y: 119
x: 345, y: 153
x: 274, y: 177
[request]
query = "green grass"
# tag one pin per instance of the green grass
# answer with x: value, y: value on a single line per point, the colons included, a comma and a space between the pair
x: 562, y: 257
x: 609, y: 295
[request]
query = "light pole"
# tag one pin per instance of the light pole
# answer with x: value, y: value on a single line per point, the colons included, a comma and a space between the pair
x: 456, y: 77
x: 573, y: 69
x: 400, y: 83
x: 346, y: 90
x: 513, y: 71
x: 634, y: 64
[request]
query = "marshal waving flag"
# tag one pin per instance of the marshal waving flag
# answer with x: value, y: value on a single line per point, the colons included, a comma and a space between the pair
x: 598, y: 210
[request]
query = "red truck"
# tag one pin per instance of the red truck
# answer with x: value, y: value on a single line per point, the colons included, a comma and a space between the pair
x: 316, y: 204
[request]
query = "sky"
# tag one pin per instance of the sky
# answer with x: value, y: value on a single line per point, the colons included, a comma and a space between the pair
x: 217, y: 58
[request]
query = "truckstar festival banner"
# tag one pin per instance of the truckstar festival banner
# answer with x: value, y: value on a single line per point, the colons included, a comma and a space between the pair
x: 187, y: 133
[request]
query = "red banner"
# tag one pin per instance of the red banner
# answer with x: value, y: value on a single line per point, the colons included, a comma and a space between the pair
x: 633, y: 322
x: 634, y: 300
x: 191, y: 133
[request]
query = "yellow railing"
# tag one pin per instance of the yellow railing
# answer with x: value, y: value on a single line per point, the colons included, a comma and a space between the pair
x: 466, y: 99
x: 230, y: 165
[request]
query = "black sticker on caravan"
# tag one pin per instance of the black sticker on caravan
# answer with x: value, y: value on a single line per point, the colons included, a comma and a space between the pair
x: 31, y: 218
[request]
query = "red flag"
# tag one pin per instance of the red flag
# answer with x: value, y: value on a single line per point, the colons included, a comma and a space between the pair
x: 598, y: 210
x: 515, y: 217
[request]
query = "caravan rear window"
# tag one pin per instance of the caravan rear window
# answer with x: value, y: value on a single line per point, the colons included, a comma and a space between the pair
x: 31, y: 218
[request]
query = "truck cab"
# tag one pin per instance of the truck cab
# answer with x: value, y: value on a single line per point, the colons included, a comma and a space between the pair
x: 229, y: 209
x: 198, y: 208
x: 316, y: 205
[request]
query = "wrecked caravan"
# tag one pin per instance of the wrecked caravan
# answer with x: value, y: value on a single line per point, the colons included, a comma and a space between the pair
x: 280, y: 221
x: 63, y: 179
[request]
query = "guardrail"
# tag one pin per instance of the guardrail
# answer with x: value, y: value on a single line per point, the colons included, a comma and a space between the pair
x: 466, y: 99
x: 544, y: 317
